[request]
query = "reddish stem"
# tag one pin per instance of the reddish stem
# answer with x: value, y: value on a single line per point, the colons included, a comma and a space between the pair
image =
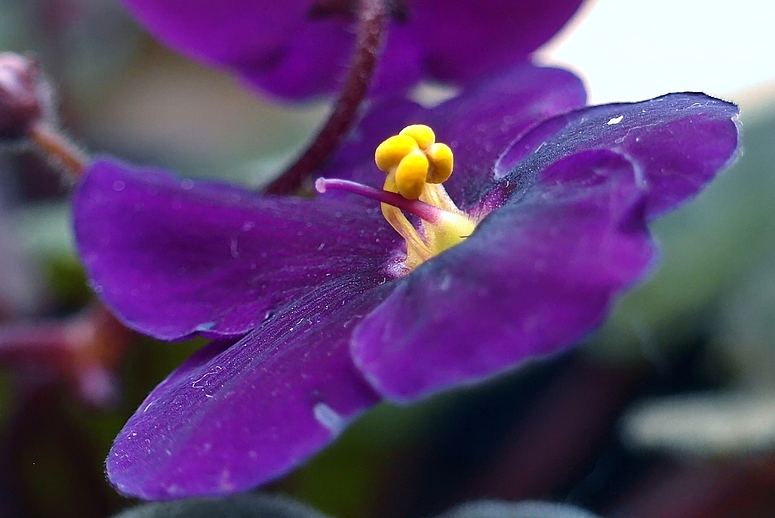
x: 85, y: 350
x: 57, y: 148
x: 372, y: 20
x: 35, y: 343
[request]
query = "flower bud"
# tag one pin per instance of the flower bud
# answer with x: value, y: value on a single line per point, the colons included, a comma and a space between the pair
x: 25, y: 97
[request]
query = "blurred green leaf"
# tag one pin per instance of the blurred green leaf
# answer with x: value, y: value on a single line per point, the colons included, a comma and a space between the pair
x: 497, y: 509
x: 239, y: 506
x: 44, y: 229
x: 745, y: 329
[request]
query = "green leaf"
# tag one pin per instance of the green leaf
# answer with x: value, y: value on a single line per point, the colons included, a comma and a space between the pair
x: 499, y: 509
x: 238, y: 506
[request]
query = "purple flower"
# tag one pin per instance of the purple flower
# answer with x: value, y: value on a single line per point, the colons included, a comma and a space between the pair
x: 297, y: 49
x: 316, y: 309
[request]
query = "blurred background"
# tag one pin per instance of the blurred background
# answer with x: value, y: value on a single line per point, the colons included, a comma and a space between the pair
x: 668, y: 410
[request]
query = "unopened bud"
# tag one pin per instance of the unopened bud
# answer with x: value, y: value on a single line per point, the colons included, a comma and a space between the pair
x: 25, y: 97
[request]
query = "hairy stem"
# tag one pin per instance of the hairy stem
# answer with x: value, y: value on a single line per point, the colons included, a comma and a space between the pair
x: 372, y: 21
x: 58, y: 149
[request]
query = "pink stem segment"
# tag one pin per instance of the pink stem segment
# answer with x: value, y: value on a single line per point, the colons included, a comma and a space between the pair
x: 57, y: 148
x: 417, y: 208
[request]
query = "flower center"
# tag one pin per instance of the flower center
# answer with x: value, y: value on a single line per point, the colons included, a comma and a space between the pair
x: 416, y: 166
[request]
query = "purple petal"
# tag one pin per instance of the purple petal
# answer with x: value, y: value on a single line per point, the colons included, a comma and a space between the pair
x: 461, y: 41
x: 233, y: 417
x: 678, y: 143
x: 280, y: 48
x: 253, y: 38
x: 479, y: 125
x: 535, y: 276
x: 174, y: 257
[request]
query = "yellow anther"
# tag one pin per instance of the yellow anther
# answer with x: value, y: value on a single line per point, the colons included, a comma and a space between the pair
x: 441, y: 162
x: 421, y: 133
x: 411, y: 173
x: 416, y: 166
x: 412, y: 143
x: 403, y: 158
x: 390, y: 153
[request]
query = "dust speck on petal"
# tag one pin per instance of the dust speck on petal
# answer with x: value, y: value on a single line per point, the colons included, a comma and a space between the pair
x: 329, y: 418
x: 205, y: 326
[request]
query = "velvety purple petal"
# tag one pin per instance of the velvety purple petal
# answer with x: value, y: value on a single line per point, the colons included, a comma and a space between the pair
x: 174, y: 257
x: 233, y: 417
x: 463, y: 40
x: 249, y: 37
x: 678, y: 143
x: 535, y: 276
x: 282, y: 49
x: 312, y: 62
x: 479, y: 125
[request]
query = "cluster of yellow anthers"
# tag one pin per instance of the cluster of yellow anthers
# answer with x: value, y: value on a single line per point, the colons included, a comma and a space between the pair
x: 416, y: 166
x: 412, y: 159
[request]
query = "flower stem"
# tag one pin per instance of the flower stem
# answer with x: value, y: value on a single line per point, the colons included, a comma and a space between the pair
x: 372, y: 21
x: 57, y: 148
x: 34, y: 344
x: 85, y: 350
